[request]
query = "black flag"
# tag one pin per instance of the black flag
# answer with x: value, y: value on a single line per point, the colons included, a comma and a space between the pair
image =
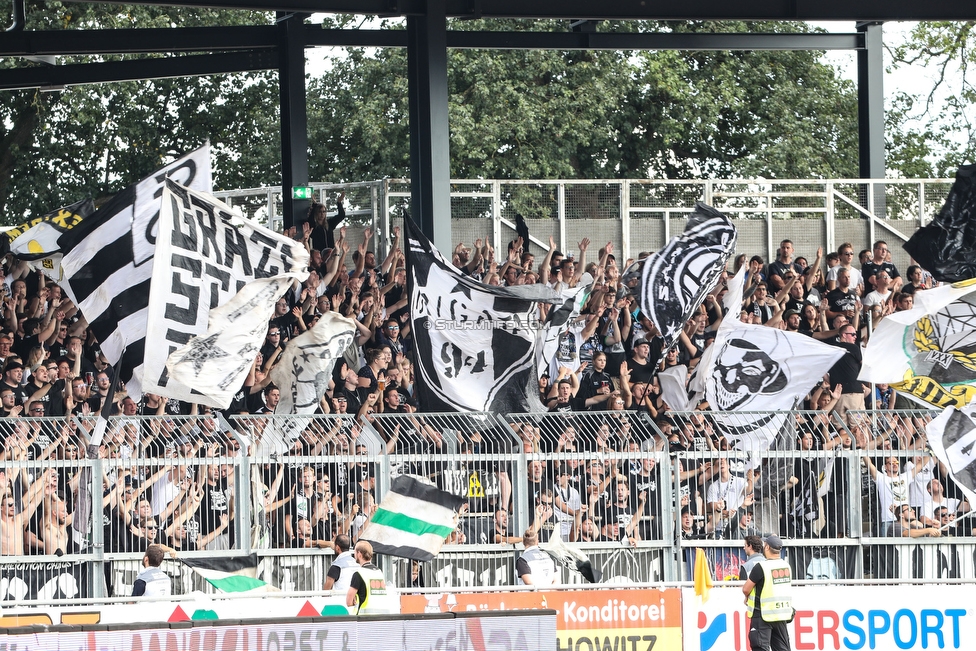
x: 947, y: 246
x: 522, y: 229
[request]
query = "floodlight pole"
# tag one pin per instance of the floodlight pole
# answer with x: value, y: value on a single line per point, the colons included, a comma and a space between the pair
x: 294, y: 120
x: 430, y: 155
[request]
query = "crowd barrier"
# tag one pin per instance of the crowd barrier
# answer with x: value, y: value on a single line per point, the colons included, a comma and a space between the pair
x: 213, y: 487
x: 623, y: 618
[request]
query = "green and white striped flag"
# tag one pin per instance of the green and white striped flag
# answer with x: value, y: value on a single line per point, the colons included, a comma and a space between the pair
x: 413, y: 520
x: 234, y: 574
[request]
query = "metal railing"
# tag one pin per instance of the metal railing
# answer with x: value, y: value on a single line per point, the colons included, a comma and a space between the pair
x: 635, y: 495
x: 643, y: 214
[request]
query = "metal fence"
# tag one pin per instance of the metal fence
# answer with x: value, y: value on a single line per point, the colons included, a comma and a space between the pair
x: 855, y: 497
x: 639, y: 215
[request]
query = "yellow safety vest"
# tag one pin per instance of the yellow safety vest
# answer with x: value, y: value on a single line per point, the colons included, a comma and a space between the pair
x: 776, y: 599
x: 376, y: 592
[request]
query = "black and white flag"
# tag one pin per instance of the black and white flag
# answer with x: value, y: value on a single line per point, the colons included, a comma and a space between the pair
x: 304, y: 369
x: 205, y: 255
x: 952, y: 437
x: 217, y: 362
x: 756, y: 376
x: 476, y: 344
x: 675, y: 280
x: 107, y: 263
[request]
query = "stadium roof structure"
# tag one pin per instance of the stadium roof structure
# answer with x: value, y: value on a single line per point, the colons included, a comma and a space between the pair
x: 281, y: 46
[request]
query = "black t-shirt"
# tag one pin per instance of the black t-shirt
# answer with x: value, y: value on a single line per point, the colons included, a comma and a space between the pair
x: 841, y: 301
x: 847, y: 368
x: 871, y: 269
x: 641, y: 372
x: 573, y: 404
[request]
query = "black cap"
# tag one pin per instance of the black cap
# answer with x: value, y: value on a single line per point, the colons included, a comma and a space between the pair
x: 774, y: 542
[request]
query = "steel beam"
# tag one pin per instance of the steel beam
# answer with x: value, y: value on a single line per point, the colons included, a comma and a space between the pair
x: 55, y: 77
x: 294, y: 119
x: 138, y: 41
x: 430, y: 156
x: 214, y: 39
x: 870, y: 110
x: 574, y: 10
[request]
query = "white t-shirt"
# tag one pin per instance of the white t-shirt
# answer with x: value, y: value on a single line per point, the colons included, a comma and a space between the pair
x: 856, y: 277
x: 875, y: 298
x: 732, y: 491
x: 571, y: 499
x: 892, y: 491
x: 918, y: 494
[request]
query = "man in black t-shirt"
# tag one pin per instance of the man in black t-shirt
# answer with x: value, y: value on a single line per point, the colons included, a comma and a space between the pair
x: 845, y: 371
x: 843, y: 300
x: 877, y: 264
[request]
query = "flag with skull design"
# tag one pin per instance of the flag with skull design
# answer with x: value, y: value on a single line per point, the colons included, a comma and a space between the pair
x: 756, y: 375
x: 476, y: 344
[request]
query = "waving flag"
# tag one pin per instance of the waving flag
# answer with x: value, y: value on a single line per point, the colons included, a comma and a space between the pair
x: 231, y: 574
x: 305, y: 367
x: 205, y: 255
x: 757, y: 375
x: 108, y: 264
x: 413, y: 520
x: 304, y: 370
x: 946, y: 247
x: 216, y: 363
x: 952, y: 437
x: 37, y: 240
x: 675, y: 280
x: 476, y: 344
x: 928, y: 353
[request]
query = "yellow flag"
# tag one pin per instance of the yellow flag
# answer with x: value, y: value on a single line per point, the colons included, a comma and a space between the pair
x: 703, y: 575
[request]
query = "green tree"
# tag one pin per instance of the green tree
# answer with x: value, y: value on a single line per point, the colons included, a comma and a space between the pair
x: 547, y: 114
x: 947, y: 91
x: 57, y: 147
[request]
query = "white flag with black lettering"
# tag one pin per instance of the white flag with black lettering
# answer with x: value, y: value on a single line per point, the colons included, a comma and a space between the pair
x: 217, y: 362
x: 205, y: 254
x: 476, y: 344
x: 108, y: 266
x: 952, y: 437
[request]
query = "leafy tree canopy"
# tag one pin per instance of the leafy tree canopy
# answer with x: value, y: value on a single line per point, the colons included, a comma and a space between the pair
x: 513, y: 114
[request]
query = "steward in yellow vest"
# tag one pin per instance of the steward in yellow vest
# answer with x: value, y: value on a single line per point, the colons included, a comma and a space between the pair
x: 368, y: 593
x: 771, y: 581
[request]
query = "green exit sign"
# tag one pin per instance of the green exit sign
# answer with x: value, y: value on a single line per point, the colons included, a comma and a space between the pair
x: 301, y: 192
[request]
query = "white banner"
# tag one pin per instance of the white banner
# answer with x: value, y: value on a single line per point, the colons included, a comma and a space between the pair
x: 205, y: 254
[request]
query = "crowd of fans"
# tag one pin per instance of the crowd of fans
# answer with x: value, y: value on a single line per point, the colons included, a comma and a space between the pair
x: 593, y: 475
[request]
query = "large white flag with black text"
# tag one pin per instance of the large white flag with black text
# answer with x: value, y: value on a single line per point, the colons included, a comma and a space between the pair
x: 476, y: 344
x: 205, y: 254
x: 108, y: 266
